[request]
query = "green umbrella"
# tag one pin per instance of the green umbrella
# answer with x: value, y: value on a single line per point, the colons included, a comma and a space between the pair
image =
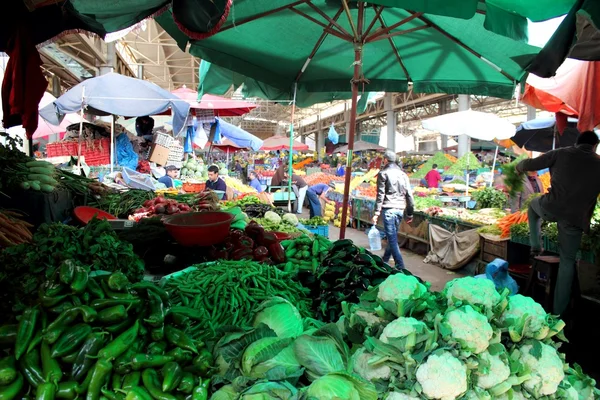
x: 323, y: 45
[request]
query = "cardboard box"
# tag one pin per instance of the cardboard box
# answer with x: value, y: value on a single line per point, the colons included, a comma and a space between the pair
x: 159, y: 154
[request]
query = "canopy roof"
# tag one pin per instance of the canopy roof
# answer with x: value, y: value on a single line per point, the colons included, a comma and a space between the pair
x: 222, y: 106
x: 361, y: 145
x: 275, y: 143
x: 474, y: 124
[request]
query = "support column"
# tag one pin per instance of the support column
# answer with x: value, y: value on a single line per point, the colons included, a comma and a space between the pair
x: 444, y: 106
x: 531, y: 113
x: 140, y: 73
x: 111, y: 56
x: 391, y: 121
x: 303, y: 139
x: 347, y: 125
x: 56, y: 92
x: 464, y: 145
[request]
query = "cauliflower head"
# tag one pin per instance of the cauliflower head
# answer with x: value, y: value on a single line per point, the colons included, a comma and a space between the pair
x: 400, y: 396
x: 497, y: 370
x: 525, y: 318
x: 272, y: 217
x: 442, y: 376
x: 360, y: 362
x: 469, y: 328
x: 400, y: 294
x: 474, y: 291
x: 405, y: 333
x: 546, y: 368
x: 511, y: 395
x: 291, y: 219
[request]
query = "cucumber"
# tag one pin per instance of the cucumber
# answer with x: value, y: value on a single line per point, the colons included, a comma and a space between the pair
x: 35, y: 185
x: 46, y: 188
x: 41, y: 164
x: 43, y: 179
x: 43, y: 171
x: 25, y: 185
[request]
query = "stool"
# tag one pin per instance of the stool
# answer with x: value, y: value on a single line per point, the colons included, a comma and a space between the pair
x: 547, y: 265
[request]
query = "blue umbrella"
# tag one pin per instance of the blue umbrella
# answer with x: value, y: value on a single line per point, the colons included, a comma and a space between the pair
x: 540, y: 135
x: 118, y: 95
x: 239, y: 136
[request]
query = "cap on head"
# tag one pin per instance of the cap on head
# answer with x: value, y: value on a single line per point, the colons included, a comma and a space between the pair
x: 390, y: 156
x: 171, y: 168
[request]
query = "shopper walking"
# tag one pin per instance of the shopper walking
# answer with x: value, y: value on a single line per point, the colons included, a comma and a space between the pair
x: 395, y: 201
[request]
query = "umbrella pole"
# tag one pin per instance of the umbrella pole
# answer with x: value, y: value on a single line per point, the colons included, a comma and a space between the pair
x: 291, y: 158
x: 80, y: 132
x: 112, y: 143
x: 355, y: 79
x: 494, y: 166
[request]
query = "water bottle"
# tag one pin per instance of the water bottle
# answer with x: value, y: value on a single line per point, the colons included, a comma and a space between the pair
x: 374, y: 239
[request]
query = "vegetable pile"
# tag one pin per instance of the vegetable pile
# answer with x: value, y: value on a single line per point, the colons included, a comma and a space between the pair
x: 490, y: 198
x: 13, y: 230
x: 159, y: 206
x: 459, y: 167
x: 304, y: 253
x: 276, y: 223
x: 102, y: 337
x: 226, y: 293
x: 26, y: 266
x: 314, y: 221
x: 438, y: 158
x: 251, y: 243
x: 38, y: 176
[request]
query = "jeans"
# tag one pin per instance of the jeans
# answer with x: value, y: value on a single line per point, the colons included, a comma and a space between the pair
x: 314, y: 205
x: 301, y: 195
x: 569, y: 240
x: 391, y: 221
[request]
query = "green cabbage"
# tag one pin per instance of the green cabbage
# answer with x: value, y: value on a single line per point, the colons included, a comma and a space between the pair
x: 272, y: 217
x: 337, y: 386
x: 281, y: 316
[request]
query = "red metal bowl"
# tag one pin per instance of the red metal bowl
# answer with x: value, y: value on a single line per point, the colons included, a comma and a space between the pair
x: 85, y: 214
x: 281, y: 236
x: 199, y: 229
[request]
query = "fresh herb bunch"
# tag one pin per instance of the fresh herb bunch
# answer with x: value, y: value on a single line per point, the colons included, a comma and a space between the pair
x: 423, y: 203
x: 512, y: 179
x: 490, y: 198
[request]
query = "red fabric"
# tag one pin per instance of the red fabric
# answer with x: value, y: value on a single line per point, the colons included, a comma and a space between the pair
x: 574, y: 91
x: 433, y: 178
x: 24, y: 83
x: 561, y: 122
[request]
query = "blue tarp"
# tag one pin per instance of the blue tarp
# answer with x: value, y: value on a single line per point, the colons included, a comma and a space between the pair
x: 118, y: 95
x: 239, y: 136
x: 126, y: 156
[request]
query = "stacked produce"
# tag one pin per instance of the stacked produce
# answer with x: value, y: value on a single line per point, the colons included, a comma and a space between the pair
x: 468, y: 161
x: 490, y: 198
x: 237, y: 185
x: 226, y: 293
x: 305, y: 253
x: 545, y: 179
x: 438, y: 158
x: 402, y: 342
x: 250, y: 243
x: 26, y: 266
x: 329, y: 213
x: 275, y: 223
x: 159, y: 206
x: 13, y: 230
x: 423, y: 203
x: 321, y: 177
x: 38, y: 176
x: 102, y: 337
x: 314, y: 221
x: 506, y: 222
x: 194, y: 169
x: 369, y: 191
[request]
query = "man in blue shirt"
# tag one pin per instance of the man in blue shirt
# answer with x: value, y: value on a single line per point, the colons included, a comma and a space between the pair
x: 254, y: 182
x: 341, y: 171
x: 314, y: 193
x: 168, y: 179
x: 214, y: 182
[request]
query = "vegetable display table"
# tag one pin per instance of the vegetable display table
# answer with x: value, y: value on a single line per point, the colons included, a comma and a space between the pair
x: 39, y: 207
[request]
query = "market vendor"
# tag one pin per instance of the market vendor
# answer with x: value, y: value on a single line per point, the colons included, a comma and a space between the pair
x: 144, y: 126
x: 279, y: 176
x: 433, y: 177
x: 395, y: 200
x: 214, y: 182
x: 314, y: 193
x: 341, y: 171
x: 169, y: 179
x: 301, y: 188
x: 531, y: 185
x: 254, y: 182
x: 570, y: 202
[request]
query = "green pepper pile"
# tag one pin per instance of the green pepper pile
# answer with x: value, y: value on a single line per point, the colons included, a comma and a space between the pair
x: 103, y: 337
x: 304, y: 253
x: 225, y: 293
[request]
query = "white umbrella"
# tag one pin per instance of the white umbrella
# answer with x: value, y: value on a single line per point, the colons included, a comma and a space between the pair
x: 474, y: 124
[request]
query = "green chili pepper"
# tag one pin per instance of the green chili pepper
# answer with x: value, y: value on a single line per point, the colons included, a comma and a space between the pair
x: 70, y: 339
x: 150, y: 287
x: 50, y: 367
x: 172, y: 375
x: 100, y: 304
x: 62, y: 307
x: 29, y: 365
x: 187, y: 383
x: 80, y: 280
x: 203, y: 362
x: 152, y: 384
x: 121, y: 326
x: 94, y: 289
x: 180, y: 355
x: 158, y: 334
x: 67, y: 390
x: 201, y: 391
x: 70, y: 358
x: 8, y: 334
x: 123, y: 362
x: 138, y: 393
x: 86, y: 382
x: 157, y: 310
x: 178, y: 338
x: 142, y: 361
x: 131, y: 380
x: 157, y: 348
x: 110, y: 395
x: 46, y: 391
x: 35, y: 342
x: 118, y: 281
x: 67, y: 271
x: 84, y: 360
x: 100, y: 375
x: 8, y: 370
x: 25, y: 331
x: 116, y: 380
x: 111, y: 294
x: 187, y: 312
x: 119, y: 345
x: 112, y: 315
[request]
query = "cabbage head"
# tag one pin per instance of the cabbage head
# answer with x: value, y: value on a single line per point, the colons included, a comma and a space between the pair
x: 291, y: 219
x: 402, y: 295
x: 273, y: 217
x: 271, y: 358
x: 281, y: 316
x: 340, y: 385
x: 269, y: 391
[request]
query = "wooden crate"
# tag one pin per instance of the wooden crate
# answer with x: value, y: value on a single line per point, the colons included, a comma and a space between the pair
x: 491, y: 250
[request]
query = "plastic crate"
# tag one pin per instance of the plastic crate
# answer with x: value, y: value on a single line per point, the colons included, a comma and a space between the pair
x: 162, y: 139
x: 520, y: 239
x: 136, y: 180
x: 322, y: 230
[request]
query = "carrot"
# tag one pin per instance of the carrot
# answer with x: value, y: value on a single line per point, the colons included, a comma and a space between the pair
x: 4, y: 241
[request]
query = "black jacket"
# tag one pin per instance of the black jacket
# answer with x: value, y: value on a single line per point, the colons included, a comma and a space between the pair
x: 393, y: 190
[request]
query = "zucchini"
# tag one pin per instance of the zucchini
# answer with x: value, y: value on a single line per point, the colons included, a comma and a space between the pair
x: 35, y: 185
x: 42, y: 179
x: 43, y: 171
x: 46, y: 188
x: 41, y: 164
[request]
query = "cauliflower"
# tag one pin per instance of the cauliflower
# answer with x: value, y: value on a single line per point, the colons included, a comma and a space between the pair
x: 400, y: 396
x: 511, y: 395
x: 576, y: 380
x: 272, y: 217
x: 290, y: 219
x: 474, y: 291
x: 545, y: 366
x: 442, y: 376
x: 477, y: 394
x: 404, y: 333
x: 524, y: 318
x: 497, y: 370
x: 360, y: 362
x: 469, y: 328
x: 400, y: 294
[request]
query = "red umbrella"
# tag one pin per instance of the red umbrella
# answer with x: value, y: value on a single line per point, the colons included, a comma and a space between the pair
x: 226, y: 146
x: 222, y: 106
x: 275, y: 143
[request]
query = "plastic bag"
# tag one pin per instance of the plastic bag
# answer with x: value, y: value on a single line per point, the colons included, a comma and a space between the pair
x: 126, y: 156
x: 374, y: 239
x: 333, y: 135
x: 497, y: 272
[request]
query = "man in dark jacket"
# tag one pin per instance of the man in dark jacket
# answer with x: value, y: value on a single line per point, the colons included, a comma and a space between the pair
x: 570, y: 202
x: 395, y: 200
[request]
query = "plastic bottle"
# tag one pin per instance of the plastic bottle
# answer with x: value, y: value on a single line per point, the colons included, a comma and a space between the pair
x: 374, y: 239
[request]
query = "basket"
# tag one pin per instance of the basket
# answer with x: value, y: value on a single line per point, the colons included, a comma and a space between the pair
x: 189, y: 187
x: 322, y: 230
x: 136, y: 180
x: 96, y: 152
x: 520, y: 239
